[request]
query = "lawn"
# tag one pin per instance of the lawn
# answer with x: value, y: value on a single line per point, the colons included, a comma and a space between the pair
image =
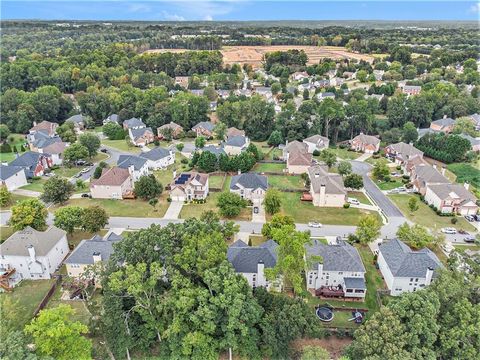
x: 15, y: 199
x: 345, y: 154
x: 166, y: 176
x: 373, y: 278
x: 286, y: 182
x: 274, y: 154
x: 262, y: 146
x: 269, y: 167
x: 27, y: 295
x: 121, y: 145
x: 99, y: 157
x: 256, y: 240
x: 360, y: 196
x: 79, y: 235
x: 5, y: 233
x: 196, y: 210
x: 466, y: 173
x: 425, y: 216
x: 81, y: 312
x: 303, y: 212
x: 17, y: 140
x: 67, y: 172
x: 216, y: 181
x: 35, y: 185
x: 389, y: 185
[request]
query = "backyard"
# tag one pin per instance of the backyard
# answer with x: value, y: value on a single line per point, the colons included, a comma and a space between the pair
x: 466, y: 173
x: 286, y: 182
x: 16, y: 140
x: 166, y: 176
x: 5, y: 233
x: 345, y: 154
x: 269, y: 167
x: 216, y: 181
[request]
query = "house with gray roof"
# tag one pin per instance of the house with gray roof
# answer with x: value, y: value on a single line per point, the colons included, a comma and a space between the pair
x: 141, y: 136
x: 34, y: 163
x: 12, y: 177
x: 216, y: 150
x: 401, y: 152
x: 204, y: 128
x: 113, y: 118
x: 326, y: 189
x: 404, y: 269
x: 41, y: 140
x: 424, y: 174
x: 79, y: 122
x: 133, y: 123
x: 251, y: 262
x: 236, y: 144
x: 316, y: 142
x: 445, y: 125
x: 159, y: 158
x: 451, y: 198
x: 335, y: 269
x: 137, y: 165
x: 250, y: 186
x: 325, y: 95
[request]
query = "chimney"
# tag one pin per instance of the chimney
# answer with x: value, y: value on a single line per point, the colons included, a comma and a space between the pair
x: 428, y: 276
x: 443, y: 170
x: 466, y: 185
x: 435, y: 166
x: 97, y: 257
x: 261, y: 274
x: 31, y: 252
x: 239, y: 172
x: 322, y: 194
x: 445, y: 116
x: 130, y: 170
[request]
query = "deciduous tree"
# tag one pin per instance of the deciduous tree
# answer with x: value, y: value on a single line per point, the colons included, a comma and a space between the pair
x: 368, y: 229
x: 272, y: 201
x: 57, y: 190
x: 29, y: 212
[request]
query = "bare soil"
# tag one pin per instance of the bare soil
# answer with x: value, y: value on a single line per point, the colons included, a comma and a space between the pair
x: 334, y: 345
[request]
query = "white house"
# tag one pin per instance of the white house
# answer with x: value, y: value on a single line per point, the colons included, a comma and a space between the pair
x: 327, y: 190
x: 12, y: 177
x: 34, y: 254
x: 337, y: 270
x: 405, y: 270
x: 236, y: 144
x: 138, y: 166
x: 159, y: 158
x: 250, y: 186
x: 55, y: 150
x: 316, y: 142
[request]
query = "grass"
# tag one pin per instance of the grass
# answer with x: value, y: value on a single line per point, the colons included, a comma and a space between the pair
x: 120, y: 145
x: 18, y: 140
x: 262, y: 146
x: 268, y: 167
x: 15, y: 199
x: 303, y: 212
x: 462, y: 248
x: 360, y: 196
x: 345, y: 154
x: 77, y: 236
x: 274, y: 153
x: 27, y: 296
x: 5, y: 233
x: 257, y: 239
x: 35, y: 185
x: 466, y: 173
x: 81, y: 312
x: 286, y: 182
x: 216, y: 181
x: 166, y: 176
x: 196, y: 210
x: 67, y: 172
x: 373, y: 278
x: 99, y: 157
x: 425, y: 216
x: 388, y: 185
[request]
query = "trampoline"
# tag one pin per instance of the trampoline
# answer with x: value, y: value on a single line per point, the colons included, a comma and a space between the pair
x: 325, y: 314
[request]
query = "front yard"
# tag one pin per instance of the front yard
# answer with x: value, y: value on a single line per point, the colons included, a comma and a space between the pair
x: 15, y: 199
x: 388, y: 185
x: 35, y: 185
x: 269, y: 167
x: 345, y: 154
x: 360, y: 196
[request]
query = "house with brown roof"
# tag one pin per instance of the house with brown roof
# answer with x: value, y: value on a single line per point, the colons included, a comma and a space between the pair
x: 401, y: 152
x: 182, y: 81
x: 141, y: 136
x: 365, y: 143
x: 296, y: 155
x: 410, y: 164
x: 233, y: 131
x: 114, y: 183
x: 47, y: 127
x: 172, y: 127
x: 445, y: 125
x: 326, y: 189
x: 189, y: 186
x: 451, y: 199
x: 424, y: 175
x: 204, y: 128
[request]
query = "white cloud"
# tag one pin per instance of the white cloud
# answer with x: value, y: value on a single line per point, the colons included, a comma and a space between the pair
x: 172, y: 17
x: 475, y: 9
x: 139, y: 7
x: 204, y: 9
x: 208, y: 18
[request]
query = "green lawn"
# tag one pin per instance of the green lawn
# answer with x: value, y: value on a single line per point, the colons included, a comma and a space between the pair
x: 79, y: 235
x: 99, y: 157
x: 388, y: 185
x: 81, y: 312
x: 286, y: 182
x: 67, y: 172
x: 5, y: 233
x: 166, y: 176
x: 257, y: 239
x: 274, y: 154
x: 345, y: 154
x: 462, y: 248
x: 425, y: 216
x: 268, y: 167
x: 120, y: 145
x: 15, y: 199
x: 466, y: 172
x: 304, y: 211
x: 262, y: 146
x: 196, y: 210
x: 360, y: 196
x: 35, y: 185
x: 373, y: 278
x: 14, y: 140
x: 216, y: 181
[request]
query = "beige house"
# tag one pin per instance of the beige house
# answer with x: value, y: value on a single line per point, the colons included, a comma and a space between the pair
x: 250, y: 186
x: 47, y: 127
x: 297, y: 157
x: 173, y: 127
x: 451, y: 198
x: 114, y: 183
x: 327, y: 190
x: 445, y: 125
x: 365, y: 143
x: 316, y: 142
x: 189, y: 186
x: 236, y: 144
x: 401, y: 152
x: 424, y: 175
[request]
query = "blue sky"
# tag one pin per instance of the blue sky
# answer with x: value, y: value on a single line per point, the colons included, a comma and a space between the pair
x: 239, y: 10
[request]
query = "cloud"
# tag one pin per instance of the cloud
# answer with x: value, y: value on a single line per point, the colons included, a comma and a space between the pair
x: 172, y: 17
x: 208, y: 18
x: 139, y: 7
x: 206, y: 10
x: 474, y: 9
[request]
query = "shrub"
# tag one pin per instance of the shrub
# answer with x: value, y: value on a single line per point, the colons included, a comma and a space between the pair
x: 184, y: 161
x: 316, y: 153
x: 346, y: 205
x: 5, y: 148
x: 454, y: 220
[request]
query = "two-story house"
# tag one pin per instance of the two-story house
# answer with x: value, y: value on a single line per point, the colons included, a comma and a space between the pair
x: 235, y: 144
x: 204, y: 128
x: 401, y: 152
x: 159, y: 158
x: 250, y: 186
x: 12, y: 177
x: 189, y: 186
x: 424, y: 175
x: 137, y: 165
x: 451, y: 198
x: 174, y: 129
x: 115, y: 183
x: 365, y: 143
x: 327, y: 190
x: 35, y: 164
x: 316, y: 142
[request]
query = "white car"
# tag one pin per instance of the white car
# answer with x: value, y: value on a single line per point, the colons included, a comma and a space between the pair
x: 85, y: 170
x: 353, y: 201
x: 314, y: 224
x: 449, y: 230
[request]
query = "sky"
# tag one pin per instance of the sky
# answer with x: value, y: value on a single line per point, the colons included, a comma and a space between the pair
x: 208, y: 10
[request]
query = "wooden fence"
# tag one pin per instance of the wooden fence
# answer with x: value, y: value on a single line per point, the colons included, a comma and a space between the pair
x: 48, y: 295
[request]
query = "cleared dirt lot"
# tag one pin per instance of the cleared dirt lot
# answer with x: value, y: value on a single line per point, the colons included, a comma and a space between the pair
x: 254, y: 54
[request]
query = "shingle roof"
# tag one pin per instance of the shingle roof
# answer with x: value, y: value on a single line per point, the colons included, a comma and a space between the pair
x: 299, y: 158
x: 367, y: 139
x: 404, y: 262
x: 237, y: 141
x: 76, y: 118
x: 444, y: 122
x: 339, y: 257
x: 112, y: 177
x: 113, y: 118
x: 473, y: 141
x: 83, y: 253
x: 405, y: 151
x: 42, y: 140
x: 156, y: 154
x: 44, y: 125
x: 27, y: 159
x: 8, y: 171
x: 125, y: 161
x: 444, y: 191
x: 296, y: 146
x: 316, y: 139
x: 249, y: 181
x: 245, y: 259
x: 235, y: 132
x: 319, y: 176
x: 207, y: 125
x: 217, y: 150
x: 428, y: 174
x: 170, y: 125
x: 55, y: 148
x: 134, y: 122
x: 42, y: 241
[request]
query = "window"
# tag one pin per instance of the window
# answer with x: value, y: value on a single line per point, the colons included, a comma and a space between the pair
x: 340, y: 272
x: 416, y: 280
x: 349, y: 290
x: 359, y: 291
x: 411, y: 279
x: 310, y: 282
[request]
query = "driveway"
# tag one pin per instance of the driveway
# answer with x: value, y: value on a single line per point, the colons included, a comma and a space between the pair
x: 25, y: 192
x: 260, y: 216
x: 173, y: 211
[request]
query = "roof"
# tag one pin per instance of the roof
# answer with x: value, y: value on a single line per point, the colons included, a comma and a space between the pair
x: 27, y: 159
x: 299, y: 158
x: 444, y: 122
x: 7, y: 172
x: 317, y: 139
x: 296, y: 146
x: 125, y: 161
x: 405, y: 150
x: 114, y: 176
x: 444, y: 191
x: 232, y: 131
x: 217, y: 150
x: 367, y: 139
x: 325, y: 94
x: 139, y: 132
x: 113, y: 118
x: 41, y: 140
x: 76, y: 118
x: 83, y: 253
x: 156, y: 154
x: 185, y: 179
x: 42, y: 241
x: 55, y: 148
x: 170, y: 125
x: 249, y: 181
x: 428, y: 174
x: 412, y: 87
x: 207, y: 125
x: 355, y: 283
x: 134, y: 122
x: 339, y: 257
x: 237, y: 141
x: 44, y: 125
x: 473, y: 141
x: 319, y: 177
x: 404, y: 262
x: 245, y: 259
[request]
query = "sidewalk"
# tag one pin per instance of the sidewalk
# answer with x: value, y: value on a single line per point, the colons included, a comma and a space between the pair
x: 363, y: 157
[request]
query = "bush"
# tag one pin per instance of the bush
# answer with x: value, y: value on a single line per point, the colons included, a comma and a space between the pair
x: 184, y: 161
x: 454, y: 220
x: 169, y: 199
x: 346, y: 205
x: 5, y: 148
x: 316, y: 153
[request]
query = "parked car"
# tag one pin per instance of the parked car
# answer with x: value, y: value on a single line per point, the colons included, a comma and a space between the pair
x: 86, y: 195
x: 469, y: 218
x: 463, y: 232
x: 314, y: 224
x: 84, y: 170
x: 469, y: 239
x: 78, y: 175
x: 353, y: 201
x: 255, y: 210
x: 104, y: 151
x: 449, y: 230
x: 80, y: 162
x: 476, y: 217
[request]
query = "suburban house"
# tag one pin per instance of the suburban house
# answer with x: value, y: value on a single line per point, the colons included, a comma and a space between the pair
x: 264, y: 91
x: 223, y: 94
x: 251, y: 262
x: 445, y: 125
x: 365, y: 143
x: 133, y: 123
x: 405, y: 270
x: 34, y: 163
x: 250, y: 186
x: 401, y: 152
x: 48, y: 127
x: 410, y: 164
x: 411, y: 89
x: 90, y: 252
x: 326, y: 190
x: 182, y: 81
x: 325, y: 95
x: 79, y: 122
x: 56, y: 151
x: 236, y: 144
x: 475, y: 142
x: 475, y: 120
x: 138, y: 166
x: 216, y: 150
x: 423, y: 175
x: 41, y: 139
x: 233, y: 131
x: 171, y: 127
x: 189, y: 186
x: 197, y: 92
x: 300, y: 75
x: 158, y: 158
x: 378, y: 74
x: 115, y: 183
x: 296, y: 155
x: 316, y: 142
x: 336, y: 271
x: 34, y: 254
x: 451, y: 198
x: 204, y: 128
x: 141, y: 136
x: 243, y: 92
x: 114, y: 118
x: 12, y: 177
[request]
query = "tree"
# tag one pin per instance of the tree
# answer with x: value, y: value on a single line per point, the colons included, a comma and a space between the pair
x: 380, y: 169
x: 368, y: 229
x: 68, y: 218
x: 114, y: 131
x: 311, y: 352
x: 180, y: 146
x: 275, y: 138
x: 199, y: 142
x: 230, y: 204
x: 94, y: 218
x: 413, y: 204
x: 29, y: 212
x: 57, y: 336
x: 207, y: 161
x: 344, y: 168
x: 353, y: 181
x: 148, y: 187
x: 329, y: 157
x: 75, y: 152
x: 153, y: 203
x: 91, y: 142
x: 66, y: 131
x: 5, y: 196
x: 220, y: 131
x: 276, y: 222
x: 259, y: 118
x: 416, y: 236
x: 465, y: 126
x: 409, y: 132
x: 57, y: 190
x: 272, y: 201
x: 4, y: 132
x: 362, y: 76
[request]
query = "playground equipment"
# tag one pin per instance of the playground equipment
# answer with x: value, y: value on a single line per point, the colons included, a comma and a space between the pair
x: 325, y: 313
x: 357, y: 317
x: 5, y: 279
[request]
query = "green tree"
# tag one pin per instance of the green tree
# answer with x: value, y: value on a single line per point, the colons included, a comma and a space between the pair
x: 362, y: 76
x: 68, y: 218
x: 4, y: 132
x: 413, y: 204
x: 329, y: 157
x: 230, y: 204
x: 75, y: 152
x: 276, y: 222
x: 114, y: 131
x: 207, y: 162
x: 153, y: 203
x: 29, y: 212
x: 57, y: 336
x: 5, y: 196
x: 311, y: 352
x: 272, y: 201
x: 344, y: 168
x: 465, y: 126
x: 353, y: 181
x: 91, y: 142
x: 57, y: 190
x: 199, y: 142
x: 66, y: 131
x: 94, y: 219
x: 368, y: 229
x: 380, y: 169
x: 210, y: 93
x: 180, y: 146
x: 220, y: 131
x: 416, y: 236
x: 275, y: 138
x: 409, y: 132
x: 148, y: 187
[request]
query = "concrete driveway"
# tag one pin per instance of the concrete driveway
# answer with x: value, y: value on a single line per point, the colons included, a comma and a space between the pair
x: 260, y: 216
x: 173, y: 211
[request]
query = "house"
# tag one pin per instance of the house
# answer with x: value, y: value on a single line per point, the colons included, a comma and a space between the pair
x: 34, y: 254
x: 114, y: 183
x: 133, y: 123
x: 113, y: 118
x: 141, y: 136
x: 216, y: 150
x: 223, y: 94
x: 298, y: 76
x: 451, y: 198
x: 159, y: 158
x: 12, y: 177
x: 55, y: 150
x: 137, y: 165
x: 410, y: 164
x: 175, y: 129
x: 365, y: 143
x: 401, y: 152
x: 182, y: 81
x: 316, y: 142
x: 232, y: 131
x: 445, y: 125
x: 243, y: 92
x: 250, y: 186
x: 236, y: 144
x: 204, y: 128
x: 297, y: 157
x: 34, y: 163
x: 336, y: 270
x: 47, y: 127
x: 189, y: 186
x: 476, y: 121
x: 423, y: 175
x: 264, y: 91
x: 213, y: 105
x: 327, y: 190
x: 411, y: 89
x: 197, y: 92
x: 349, y: 75
x: 405, y: 270
x: 90, y: 252
x: 378, y: 74
x: 325, y: 95
x: 475, y: 142
x: 322, y: 83
x: 79, y: 122
x: 41, y: 139
x: 336, y: 81
x: 251, y: 262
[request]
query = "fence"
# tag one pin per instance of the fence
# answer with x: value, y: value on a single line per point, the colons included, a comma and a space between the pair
x: 48, y: 295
